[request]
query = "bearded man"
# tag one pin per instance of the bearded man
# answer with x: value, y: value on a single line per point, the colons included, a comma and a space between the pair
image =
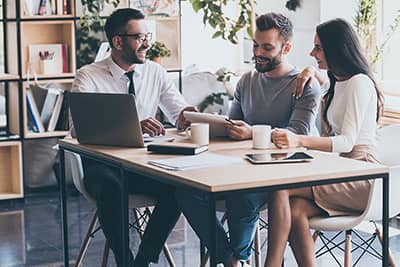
x: 262, y: 96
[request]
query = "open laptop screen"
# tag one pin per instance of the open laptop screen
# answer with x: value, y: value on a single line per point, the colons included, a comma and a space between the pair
x: 106, y: 119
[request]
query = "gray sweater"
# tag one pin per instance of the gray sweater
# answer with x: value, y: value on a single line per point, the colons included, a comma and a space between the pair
x: 260, y: 99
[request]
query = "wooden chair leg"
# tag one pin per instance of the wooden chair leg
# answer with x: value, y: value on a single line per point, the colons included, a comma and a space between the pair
x: 106, y: 251
x: 347, y: 249
x: 379, y: 234
x: 315, y: 235
x: 257, y: 247
x: 86, y: 241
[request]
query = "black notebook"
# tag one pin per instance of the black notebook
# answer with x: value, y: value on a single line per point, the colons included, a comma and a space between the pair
x: 176, y: 148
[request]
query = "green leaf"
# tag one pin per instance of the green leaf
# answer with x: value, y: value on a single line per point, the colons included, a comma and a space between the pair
x: 217, y: 34
x: 197, y: 5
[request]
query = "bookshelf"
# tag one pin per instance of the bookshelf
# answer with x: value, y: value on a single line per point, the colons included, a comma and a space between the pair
x: 26, y: 34
x: 11, y: 185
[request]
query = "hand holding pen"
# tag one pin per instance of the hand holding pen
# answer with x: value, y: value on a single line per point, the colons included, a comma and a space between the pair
x: 238, y: 130
x: 232, y: 122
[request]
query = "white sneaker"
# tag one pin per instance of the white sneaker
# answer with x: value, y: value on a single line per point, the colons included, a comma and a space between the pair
x: 245, y: 264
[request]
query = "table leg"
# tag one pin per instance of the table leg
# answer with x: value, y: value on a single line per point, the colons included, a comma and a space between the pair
x: 213, y: 230
x: 63, y: 200
x: 125, y: 218
x: 385, y: 220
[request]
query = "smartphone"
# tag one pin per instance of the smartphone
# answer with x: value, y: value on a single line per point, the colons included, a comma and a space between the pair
x: 267, y: 158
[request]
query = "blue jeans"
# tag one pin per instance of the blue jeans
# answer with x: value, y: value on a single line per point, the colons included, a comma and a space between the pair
x: 242, y: 212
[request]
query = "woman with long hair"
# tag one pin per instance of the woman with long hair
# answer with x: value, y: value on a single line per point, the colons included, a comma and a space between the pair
x: 350, y: 111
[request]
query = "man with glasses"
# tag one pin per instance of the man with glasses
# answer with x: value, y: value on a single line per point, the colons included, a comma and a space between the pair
x: 127, y: 71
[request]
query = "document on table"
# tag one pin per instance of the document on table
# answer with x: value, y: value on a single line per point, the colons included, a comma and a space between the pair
x: 195, y: 162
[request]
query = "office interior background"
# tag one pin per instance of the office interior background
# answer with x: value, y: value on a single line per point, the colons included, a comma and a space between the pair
x: 30, y: 231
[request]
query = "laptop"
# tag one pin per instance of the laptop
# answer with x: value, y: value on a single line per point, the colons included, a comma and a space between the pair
x: 107, y: 119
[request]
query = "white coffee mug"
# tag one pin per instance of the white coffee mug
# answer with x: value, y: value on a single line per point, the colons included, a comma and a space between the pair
x: 261, y: 136
x: 199, y: 133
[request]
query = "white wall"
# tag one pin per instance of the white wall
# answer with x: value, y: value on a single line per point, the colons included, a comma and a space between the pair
x: 391, y: 56
x: 198, y: 47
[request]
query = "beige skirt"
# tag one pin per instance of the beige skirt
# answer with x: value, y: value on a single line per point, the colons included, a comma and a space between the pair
x: 346, y: 198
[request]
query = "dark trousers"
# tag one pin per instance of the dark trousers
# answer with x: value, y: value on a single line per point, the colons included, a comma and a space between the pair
x: 103, y: 185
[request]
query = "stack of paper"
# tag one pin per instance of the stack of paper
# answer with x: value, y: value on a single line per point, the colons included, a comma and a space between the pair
x: 195, y: 162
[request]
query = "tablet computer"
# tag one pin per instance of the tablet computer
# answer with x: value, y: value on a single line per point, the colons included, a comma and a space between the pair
x: 217, y: 122
x: 266, y: 158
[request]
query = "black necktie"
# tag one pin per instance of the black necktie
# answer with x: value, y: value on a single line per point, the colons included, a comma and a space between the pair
x: 131, y: 89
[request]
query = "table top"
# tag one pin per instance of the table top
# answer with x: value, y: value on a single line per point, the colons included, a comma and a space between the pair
x: 243, y: 175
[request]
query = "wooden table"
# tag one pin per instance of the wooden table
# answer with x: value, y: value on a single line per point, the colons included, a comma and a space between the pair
x: 220, y: 181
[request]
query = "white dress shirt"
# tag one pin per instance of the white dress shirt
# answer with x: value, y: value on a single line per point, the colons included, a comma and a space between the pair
x: 352, y: 113
x: 152, y: 86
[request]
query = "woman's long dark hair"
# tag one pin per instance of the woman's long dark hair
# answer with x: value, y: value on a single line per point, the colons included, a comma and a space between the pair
x: 344, y: 58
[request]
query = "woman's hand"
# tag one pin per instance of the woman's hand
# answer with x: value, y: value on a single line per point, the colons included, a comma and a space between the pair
x: 283, y: 138
x: 302, y: 80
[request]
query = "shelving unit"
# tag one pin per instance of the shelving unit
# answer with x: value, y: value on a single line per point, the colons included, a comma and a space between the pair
x: 20, y: 31
x: 11, y: 184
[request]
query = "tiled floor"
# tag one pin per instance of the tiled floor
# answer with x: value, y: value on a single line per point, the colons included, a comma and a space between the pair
x: 30, y: 235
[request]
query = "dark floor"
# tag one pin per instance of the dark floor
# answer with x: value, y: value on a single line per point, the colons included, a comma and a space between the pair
x: 30, y: 235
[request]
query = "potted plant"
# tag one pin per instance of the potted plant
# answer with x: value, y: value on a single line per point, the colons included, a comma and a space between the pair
x: 218, y: 102
x: 157, y: 51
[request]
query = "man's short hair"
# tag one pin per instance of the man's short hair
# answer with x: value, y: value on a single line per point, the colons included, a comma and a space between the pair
x: 117, y: 21
x: 277, y: 21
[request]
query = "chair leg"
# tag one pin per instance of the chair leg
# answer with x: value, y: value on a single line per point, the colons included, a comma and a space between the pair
x: 168, y: 255
x: 139, y: 222
x: 105, y: 255
x: 257, y: 248
x: 315, y: 235
x: 347, y: 249
x: 86, y: 242
x: 379, y: 234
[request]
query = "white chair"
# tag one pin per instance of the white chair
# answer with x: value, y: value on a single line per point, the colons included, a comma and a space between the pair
x: 388, y: 154
x: 139, y: 203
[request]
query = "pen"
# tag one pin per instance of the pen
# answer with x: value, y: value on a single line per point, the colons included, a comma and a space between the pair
x: 231, y: 122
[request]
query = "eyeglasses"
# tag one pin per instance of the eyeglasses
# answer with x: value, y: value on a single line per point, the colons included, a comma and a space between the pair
x: 141, y: 37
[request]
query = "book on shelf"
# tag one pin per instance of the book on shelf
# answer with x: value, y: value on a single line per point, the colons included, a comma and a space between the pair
x: 56, y: 113
x: 49, y: 102
x: 49, y: 107
x: 65, y: 4
x: 63, y: 118
x: 36, y: 7
x: 55, y: 57
x: 53, y: 5
x: 34, y: 122
x: 176, y: 148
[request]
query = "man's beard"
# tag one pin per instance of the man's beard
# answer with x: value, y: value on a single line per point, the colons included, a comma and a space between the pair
x: 272, y: 63
x: 132, y: 58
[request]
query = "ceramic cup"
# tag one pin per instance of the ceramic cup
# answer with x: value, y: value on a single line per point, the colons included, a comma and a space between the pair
x: 261, y: 136
x: 199, y: 133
